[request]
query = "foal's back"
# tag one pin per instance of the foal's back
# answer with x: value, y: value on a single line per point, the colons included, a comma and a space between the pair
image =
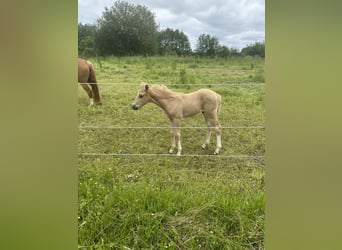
x: 204, y: 100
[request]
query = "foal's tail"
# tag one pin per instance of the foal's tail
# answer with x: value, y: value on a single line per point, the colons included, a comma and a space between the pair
x: 218, y: 108
x: 92, y: 80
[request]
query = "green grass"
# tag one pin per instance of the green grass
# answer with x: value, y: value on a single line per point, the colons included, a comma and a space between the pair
x: 164, y: 202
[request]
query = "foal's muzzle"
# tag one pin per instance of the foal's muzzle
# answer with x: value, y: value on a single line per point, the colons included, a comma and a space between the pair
x: 135, y: 107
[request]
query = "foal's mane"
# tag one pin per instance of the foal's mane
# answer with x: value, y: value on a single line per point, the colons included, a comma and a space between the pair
x: 162, y: 91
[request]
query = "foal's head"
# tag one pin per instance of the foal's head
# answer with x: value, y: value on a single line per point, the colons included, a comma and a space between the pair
x: 142, y: 97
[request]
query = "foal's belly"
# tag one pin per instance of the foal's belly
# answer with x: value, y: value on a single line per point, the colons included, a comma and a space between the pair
x: 190, y: 112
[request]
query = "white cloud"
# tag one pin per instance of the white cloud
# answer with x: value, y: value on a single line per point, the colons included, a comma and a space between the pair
x: 235, y: 23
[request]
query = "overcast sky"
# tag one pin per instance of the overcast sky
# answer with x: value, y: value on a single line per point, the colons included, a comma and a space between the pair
x: 236, y: 23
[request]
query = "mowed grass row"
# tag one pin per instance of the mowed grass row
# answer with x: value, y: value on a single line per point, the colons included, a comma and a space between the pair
x: 172, y: 70
x: 149, y: 202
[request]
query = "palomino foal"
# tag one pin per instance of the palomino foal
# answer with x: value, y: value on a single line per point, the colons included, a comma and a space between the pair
x: 180, y: 105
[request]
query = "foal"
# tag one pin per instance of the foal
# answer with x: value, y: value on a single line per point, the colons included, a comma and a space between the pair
x: 180, y: 105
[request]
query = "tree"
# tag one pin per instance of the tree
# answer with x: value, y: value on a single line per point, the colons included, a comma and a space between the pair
x: 126, y: 29
x: 256, y: 49
x: 223, y: 51
x: 173, y: 42
x: 86, y: 44
x: 234, y: 52
x: 207, y: 45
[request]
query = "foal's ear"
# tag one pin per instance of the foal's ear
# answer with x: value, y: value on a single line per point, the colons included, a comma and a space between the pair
x: 146, y: 87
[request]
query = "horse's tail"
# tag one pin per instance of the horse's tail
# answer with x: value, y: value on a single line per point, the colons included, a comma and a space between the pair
x: 94, y: 86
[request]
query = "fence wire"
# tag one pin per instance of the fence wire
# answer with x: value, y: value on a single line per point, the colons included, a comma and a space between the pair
x: 182, y: 84
x: 173, y: 155
x: 165, y: 127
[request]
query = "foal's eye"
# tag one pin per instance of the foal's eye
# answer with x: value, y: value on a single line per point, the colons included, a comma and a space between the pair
x: 141, y: 96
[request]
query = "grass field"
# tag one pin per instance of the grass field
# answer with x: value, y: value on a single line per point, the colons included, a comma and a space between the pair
x: 133, y: 195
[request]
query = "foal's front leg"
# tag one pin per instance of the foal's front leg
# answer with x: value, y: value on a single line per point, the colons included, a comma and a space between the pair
x: 173, y: 140
x: 175, y: 137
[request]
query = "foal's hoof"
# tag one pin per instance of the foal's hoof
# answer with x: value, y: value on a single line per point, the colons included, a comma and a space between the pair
x: 204, y: 146
x: 216, y: 152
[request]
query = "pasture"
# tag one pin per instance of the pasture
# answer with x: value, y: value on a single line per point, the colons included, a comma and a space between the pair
x: 134, y: 195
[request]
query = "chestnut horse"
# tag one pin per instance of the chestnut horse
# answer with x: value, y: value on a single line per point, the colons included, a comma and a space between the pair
x: 86, y: 78
x: 179, y: 105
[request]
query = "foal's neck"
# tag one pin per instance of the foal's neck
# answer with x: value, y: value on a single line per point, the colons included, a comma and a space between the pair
x: 162, y: 97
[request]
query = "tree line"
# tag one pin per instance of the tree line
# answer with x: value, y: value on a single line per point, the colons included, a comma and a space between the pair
x: 127, y: 30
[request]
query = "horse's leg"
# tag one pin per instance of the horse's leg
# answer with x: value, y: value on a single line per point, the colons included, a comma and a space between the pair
x: 94, y: 87
x: 96, y: 94
x: 89, y: 92
x: 207, y: 138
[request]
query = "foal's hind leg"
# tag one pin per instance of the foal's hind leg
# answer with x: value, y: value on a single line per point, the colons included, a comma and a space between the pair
x: 207, y: 138
x: 218, y: 137
x: 89, y: 92
x: 212, y: 122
